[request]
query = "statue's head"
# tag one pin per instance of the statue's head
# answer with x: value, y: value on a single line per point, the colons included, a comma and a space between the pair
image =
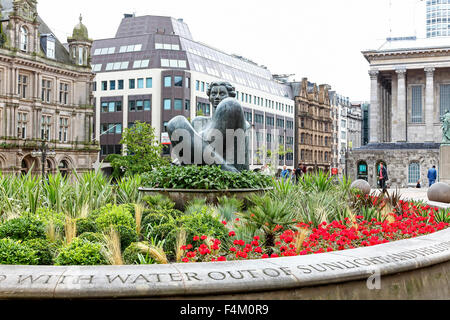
x: 219, y: 91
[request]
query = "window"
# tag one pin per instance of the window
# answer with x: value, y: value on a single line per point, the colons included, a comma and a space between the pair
x: 188, y: 83
x: 141, y: 64
x: 132, y: 84
x: 197, y: 85
x: 270, y: 121
x: 23, y: 86
x: 118, y: 106
x: 50, y: 47
x: 139, y: 105
x: 178, y: 81
x: 413, y: 173
x: 444, y: 98
x: 112, y: 106
x: 64, y: 93
x: 203, y: 87
x: 140, y: 83
x: 149, y: 83
x: 46, y: 90
x: 112, y: 85
x: 96, y: 67
x: 104, y: 85
x: 416, y: 105
x: 259, y: 118
x: 147, y: 105
x: 167, y: 82
x: 63, y: 129
x: 118, y: 128
x: 167, y: 104
x: 269, y: 138
x: 80, y: 56
x: 22, y: 120
x: 120, y: 84
x: 132, y: 105
x: 248, y: 117
x: 46, y: 122
x: 187, y: 105
x: 178, y: 104
x: 23, y: 39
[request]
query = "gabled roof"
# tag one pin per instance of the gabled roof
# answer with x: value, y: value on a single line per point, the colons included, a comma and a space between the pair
x: 61, y: 53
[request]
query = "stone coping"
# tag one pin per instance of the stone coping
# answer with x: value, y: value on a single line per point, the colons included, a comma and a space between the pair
x: 184, y: 280
x: 203, y: 190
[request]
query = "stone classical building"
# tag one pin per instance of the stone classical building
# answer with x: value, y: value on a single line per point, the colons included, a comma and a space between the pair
x: 410, y: 91
x: 314, y: 125
x: 45, y: 94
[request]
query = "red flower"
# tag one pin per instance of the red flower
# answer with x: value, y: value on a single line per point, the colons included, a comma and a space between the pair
x: 224, y: 223
x: 233, y: 249
x: 185, y: 260
x: 232, y: 234
x: 274, y: 255
x: 204, y: 237
x: 196, y: 238
x: 222, y: 259
x: 257, y: 238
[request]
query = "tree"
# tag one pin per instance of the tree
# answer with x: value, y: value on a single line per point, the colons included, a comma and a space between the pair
x: 143, y: 151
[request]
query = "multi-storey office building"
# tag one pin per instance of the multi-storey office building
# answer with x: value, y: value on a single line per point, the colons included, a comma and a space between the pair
x: 314, y: 125
x: 438, y: 18
x: 45, y: 94
x: 153, y: 70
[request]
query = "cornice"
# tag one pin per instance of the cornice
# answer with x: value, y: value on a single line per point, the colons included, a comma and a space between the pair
x: 406, y: 53
x: 62, y: 69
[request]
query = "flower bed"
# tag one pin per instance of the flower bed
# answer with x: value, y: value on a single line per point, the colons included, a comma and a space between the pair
x: 411, y: 221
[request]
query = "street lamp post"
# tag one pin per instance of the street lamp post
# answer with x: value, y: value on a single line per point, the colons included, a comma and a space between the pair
x: 44, y: 153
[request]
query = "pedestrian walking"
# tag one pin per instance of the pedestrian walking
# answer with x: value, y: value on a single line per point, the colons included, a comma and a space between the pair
x: 285, y: 174
x: 299, y: 172
x: 432, y: 175
x: 383, y: 177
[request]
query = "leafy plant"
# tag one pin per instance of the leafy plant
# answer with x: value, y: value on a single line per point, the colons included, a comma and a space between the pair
x: 204, y: 177
x: 81, y: 253
x: 45, y: 250
x: 23, y: 228
x: 144, y: 151
x: 229, y: 207
x: 15, y: 253
x: 270, y: 216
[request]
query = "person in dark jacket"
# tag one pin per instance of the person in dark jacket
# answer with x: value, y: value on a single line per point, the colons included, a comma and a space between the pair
x: 383, y: 177
x: 432, y: 175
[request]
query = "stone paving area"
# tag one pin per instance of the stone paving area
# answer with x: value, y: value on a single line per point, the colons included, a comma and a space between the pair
x: 418, y: 194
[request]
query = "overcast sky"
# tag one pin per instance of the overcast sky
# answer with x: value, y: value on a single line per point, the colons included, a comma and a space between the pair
x: 318, y: 39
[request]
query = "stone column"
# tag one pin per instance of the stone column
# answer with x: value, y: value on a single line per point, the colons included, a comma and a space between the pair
x: 429, y: 104
x: 374, y: 107
x: 401, y: 115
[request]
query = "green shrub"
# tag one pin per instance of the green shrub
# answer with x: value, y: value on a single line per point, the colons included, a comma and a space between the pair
x: 204, y: 177
x: 15, y: 253
x: 134, y: 255
x: 158, y: 216
x: 23, y: 228
x: 196, y: 224
x: 86, y: 225
x: 48, y: 216
x: 92, y: 237
x: 159, y: 202
x: 45, y: 250
x: 202, y: 223
x: 81, y: 253
x: 119, y: 218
